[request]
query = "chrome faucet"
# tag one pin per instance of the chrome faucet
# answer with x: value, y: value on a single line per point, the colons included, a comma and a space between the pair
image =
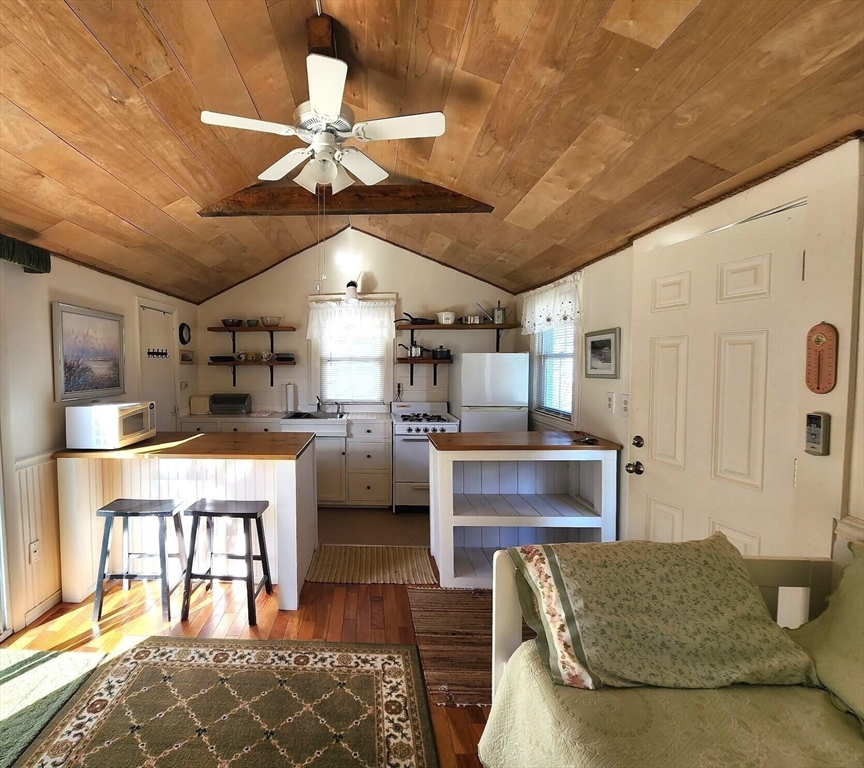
x: 318, y: 407
x: 338, y: 406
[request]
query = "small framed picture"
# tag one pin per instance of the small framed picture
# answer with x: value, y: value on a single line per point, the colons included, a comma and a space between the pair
x: 602, y: 354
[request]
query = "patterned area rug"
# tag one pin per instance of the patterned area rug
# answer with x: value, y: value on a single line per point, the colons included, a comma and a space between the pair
x: 193, y: 702
x: 454, y: 634
x: 346, y: 564
x: 34, y: 686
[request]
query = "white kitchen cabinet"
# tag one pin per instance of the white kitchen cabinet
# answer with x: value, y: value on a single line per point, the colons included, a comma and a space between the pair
x: 187, y: 425
x: 368, y: 456
x: 369, y: 488
x: 330, y: 460
x: 249, y: 426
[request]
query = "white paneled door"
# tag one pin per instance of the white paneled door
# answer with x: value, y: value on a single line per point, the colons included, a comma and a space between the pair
x: 716, y: 328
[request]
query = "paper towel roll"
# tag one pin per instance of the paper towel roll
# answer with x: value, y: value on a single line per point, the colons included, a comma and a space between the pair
x: 290, y: 397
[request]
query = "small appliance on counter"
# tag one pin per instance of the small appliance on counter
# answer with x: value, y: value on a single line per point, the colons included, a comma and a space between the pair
x: 229, y: 403
x: 108, y: 426
x: 199, y: 405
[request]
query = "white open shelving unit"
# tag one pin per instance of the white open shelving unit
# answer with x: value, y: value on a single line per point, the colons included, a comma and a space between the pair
x: 483, y: 501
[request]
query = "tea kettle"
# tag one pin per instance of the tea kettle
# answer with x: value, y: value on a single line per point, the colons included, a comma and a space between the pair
x: 415, y: 350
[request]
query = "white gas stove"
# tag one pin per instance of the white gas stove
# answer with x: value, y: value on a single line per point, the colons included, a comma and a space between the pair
x: 422, y: 418
x: 412, y: 424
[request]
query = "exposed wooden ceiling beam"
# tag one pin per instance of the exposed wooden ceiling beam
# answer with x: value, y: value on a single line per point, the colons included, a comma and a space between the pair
x: 319, y: 35
x: 378, y: 200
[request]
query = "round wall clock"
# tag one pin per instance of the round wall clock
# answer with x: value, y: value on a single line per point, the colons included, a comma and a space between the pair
x: 185, y: 333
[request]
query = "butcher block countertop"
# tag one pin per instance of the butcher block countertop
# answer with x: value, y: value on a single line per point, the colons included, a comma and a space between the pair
x: 518, y: 441
x: 263, y: 446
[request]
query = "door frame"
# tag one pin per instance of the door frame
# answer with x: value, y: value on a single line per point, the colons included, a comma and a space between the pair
x: 167, y: 309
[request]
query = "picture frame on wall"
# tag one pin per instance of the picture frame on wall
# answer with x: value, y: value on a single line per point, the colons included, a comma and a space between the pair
x: 89, y: 353
x: 603, y: 354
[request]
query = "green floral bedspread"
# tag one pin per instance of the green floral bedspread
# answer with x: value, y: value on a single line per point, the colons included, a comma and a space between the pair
x: 534, y: 723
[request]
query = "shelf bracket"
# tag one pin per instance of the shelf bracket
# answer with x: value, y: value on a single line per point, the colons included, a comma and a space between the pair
x: 434, y: 374
x: 233, y: 343
x: 271, y: 367
x: 411, y: 369
x: 233, y: 373
x: 412, y: 338
x: 498, y: 339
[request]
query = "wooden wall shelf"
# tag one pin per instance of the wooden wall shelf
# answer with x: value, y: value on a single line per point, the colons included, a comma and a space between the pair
x: 251, y: 329
x: 412, y: 361
x: 270, y: 329
x: 269, y: 363
x: 460, y: 327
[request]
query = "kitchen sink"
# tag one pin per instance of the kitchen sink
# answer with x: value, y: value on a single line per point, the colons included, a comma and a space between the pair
x: 303, y: 415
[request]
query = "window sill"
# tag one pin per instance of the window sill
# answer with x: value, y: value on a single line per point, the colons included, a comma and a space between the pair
x: 541, y: 421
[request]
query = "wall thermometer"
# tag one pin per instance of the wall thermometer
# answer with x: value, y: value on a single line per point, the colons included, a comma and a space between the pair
x: 821, y: 371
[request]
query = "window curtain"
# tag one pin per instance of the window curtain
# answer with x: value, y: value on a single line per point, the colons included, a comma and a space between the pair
x: 364, y: 321
x: 553, y: 306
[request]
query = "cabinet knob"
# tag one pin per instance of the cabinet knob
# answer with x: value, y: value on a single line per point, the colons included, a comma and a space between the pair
x: 235, y: 429
x: 368, y: 487
x: 368, y: 455
x: 343, y: 453
x: 266, y: 429
x: 368, y: 431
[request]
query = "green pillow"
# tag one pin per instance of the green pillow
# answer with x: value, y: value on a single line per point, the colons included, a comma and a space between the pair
x: 683, y: 615
x: 835, y: 639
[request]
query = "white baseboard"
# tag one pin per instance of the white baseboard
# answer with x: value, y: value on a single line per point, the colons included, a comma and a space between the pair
x: 46, y: 605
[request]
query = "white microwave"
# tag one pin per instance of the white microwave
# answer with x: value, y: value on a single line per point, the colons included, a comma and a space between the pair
x: 109, y: 425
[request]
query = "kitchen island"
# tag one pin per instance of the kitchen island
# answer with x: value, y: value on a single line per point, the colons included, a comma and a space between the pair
x: 492, y: 490
x: 277, y: 467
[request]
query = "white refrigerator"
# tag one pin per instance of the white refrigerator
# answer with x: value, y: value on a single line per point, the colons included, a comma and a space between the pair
x: 489, y: 391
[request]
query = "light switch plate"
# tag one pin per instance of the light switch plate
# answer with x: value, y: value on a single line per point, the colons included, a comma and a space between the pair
x: 610, y: 402
x: 625, y: 405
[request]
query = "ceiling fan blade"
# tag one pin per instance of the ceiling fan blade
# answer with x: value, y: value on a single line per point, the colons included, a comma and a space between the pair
x: 342, y: 180
x: 406, y: 127
x: 285, y: 165
x: 246, y: 123
x: 368, y: 171
x: 326, y: 83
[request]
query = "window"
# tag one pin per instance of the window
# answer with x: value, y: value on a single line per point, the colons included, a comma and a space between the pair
x: 352, y: 371
x: 553, y: 371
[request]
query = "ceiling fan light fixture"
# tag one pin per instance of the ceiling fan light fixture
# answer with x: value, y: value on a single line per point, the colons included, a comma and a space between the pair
x: 307, y: 178
x: 342, y: 180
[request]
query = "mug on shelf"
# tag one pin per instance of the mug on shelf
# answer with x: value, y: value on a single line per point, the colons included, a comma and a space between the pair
x: 240, y: 357
x: 266, y: 355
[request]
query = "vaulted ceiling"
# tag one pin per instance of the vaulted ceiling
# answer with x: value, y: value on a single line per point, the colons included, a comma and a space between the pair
x: 583, y: 122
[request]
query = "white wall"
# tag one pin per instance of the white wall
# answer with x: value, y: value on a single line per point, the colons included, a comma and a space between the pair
x: 31, y: 423
x: 423, y: 287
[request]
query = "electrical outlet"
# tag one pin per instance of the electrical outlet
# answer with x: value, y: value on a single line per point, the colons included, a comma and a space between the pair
x: 610, y: 402
x: 625, y: 405
x: 35, y: 551
x: 184, y: 385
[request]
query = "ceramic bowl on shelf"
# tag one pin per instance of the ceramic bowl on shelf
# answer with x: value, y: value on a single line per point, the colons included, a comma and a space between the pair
x: 231, y: 322
x: 240, y: 357
x: 270, y: 321
x: 265, y: 355
x: 446, y: 318
x: 252, y: 323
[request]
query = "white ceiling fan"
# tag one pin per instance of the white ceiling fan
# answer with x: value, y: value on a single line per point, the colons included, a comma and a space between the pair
x: 325, y: 123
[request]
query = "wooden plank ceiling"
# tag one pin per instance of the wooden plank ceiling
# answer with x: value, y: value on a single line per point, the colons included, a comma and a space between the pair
x: 583, y: 122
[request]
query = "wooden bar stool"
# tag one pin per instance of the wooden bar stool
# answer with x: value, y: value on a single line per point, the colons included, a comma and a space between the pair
x: 161, y: 509
x: 247, y: 511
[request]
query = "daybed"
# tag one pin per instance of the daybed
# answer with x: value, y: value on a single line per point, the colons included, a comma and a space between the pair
x: 534, y: 722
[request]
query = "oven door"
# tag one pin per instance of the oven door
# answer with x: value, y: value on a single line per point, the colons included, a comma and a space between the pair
x: 411, y: 459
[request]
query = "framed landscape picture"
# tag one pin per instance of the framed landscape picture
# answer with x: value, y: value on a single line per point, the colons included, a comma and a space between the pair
x: 88, y: 353
x: 602, y: 354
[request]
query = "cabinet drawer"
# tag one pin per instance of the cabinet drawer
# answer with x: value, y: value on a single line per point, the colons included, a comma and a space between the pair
x: 246, y: 426
x: 374, y: 430
x: 368, y: 487
x: 364, y: 456
x: 199, y: 426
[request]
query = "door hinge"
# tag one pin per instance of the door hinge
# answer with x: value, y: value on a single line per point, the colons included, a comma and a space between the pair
x: 803, y: 265
x: 794, y: 473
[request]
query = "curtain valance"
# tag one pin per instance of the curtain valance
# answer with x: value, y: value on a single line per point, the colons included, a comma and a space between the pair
x: 339, y: 321
x: 552, y: 306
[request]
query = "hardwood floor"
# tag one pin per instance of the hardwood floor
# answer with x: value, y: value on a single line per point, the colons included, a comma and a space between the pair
x: 362, y: 613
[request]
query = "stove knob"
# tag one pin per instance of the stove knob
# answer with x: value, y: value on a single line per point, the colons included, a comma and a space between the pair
x: 410, y: 429
x: 425, y: 429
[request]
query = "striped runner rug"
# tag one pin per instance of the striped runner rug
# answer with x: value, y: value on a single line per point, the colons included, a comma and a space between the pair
x: 344, y: 564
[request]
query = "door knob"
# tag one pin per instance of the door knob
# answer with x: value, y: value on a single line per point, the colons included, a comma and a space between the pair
x: 634, y: 468
x: 638, y: 441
